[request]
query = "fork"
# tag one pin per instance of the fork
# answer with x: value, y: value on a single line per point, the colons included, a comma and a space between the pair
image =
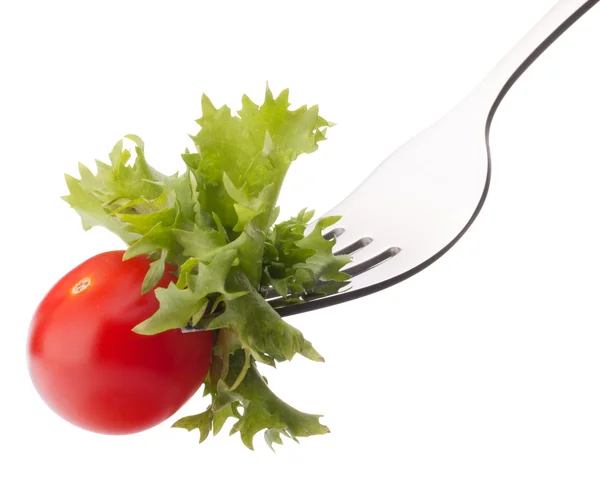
x: 431, y: 189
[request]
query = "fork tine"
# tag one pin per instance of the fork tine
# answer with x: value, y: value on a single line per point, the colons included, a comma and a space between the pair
x: 354, y: 247
x: 346, y: 235
x: 370, y: 260
x: 334, y: 233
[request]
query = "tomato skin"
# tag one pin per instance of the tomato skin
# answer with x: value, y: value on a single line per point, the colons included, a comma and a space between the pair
x: 88, y: 365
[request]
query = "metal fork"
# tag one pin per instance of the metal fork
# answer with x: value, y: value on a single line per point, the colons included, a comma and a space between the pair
x: 422, y: 199
x: 426, y: 195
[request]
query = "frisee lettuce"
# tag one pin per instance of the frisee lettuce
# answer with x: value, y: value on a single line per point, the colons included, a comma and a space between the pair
x: 217, y: 224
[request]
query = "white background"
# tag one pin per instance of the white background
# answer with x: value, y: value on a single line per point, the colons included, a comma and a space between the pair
x: 481, y: 374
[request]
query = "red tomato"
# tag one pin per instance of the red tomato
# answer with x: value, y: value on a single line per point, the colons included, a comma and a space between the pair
x: 89, y: 366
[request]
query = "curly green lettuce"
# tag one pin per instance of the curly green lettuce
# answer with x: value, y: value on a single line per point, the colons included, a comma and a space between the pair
x: 217, y: 224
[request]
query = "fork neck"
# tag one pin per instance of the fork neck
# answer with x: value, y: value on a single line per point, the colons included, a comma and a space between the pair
x: 488, y: 95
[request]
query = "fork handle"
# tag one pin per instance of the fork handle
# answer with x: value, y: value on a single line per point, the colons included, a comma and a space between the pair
x: 494, y: 87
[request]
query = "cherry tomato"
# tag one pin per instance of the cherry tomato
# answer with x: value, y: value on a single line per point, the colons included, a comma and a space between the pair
x: 88, y: 365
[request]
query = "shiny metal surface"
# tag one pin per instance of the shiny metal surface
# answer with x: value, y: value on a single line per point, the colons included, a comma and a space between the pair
x: 422, y: 199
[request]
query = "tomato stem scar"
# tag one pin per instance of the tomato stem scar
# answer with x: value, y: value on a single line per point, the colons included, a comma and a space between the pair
x: 81, y: 285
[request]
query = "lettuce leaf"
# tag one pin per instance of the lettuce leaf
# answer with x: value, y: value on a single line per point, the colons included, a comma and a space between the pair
x: 216, y: 222
x: 262, y: 410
